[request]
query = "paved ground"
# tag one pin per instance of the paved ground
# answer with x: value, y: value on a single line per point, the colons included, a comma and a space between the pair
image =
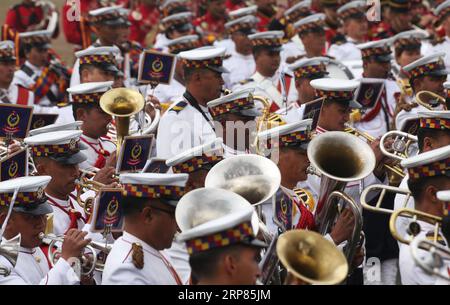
x: 60, y: 44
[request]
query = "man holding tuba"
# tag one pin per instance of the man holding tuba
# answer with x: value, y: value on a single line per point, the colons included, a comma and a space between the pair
x: 428, y: 174
x: 28, y: 218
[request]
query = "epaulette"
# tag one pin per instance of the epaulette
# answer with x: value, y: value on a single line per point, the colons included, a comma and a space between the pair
x: 440, y: 239
x: 178, y: 106
x: 246, y: 81
x: 306, y: 198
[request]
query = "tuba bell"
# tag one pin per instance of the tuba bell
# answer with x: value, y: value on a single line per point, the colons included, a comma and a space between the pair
x: 122, y: 103
x: 310, y: 258
x: 10, y: 250
x: 340, y: 158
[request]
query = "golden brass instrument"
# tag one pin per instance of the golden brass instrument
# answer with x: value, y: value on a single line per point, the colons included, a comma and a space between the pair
x: 340, y: 158
x: 401, y: 145
x: 85, y: 183
x: 122, y: 103
x: 384, y: 188
x: 397, y: 170
x: 86, y: 261
x: 414, y: 226
x: 9, y: 249
x: 436, y: 100
x: 437, y: 259
x: 310, y: 258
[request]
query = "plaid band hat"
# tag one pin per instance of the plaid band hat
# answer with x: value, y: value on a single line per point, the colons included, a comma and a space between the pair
x: 296, y: 134
x: 314, y: 67
x: 183, y: 43
x: 379, y: 50
x: 434, y: 119
x: 337, y: 90
x: 244, y: 11
x: 104, y: 58
x: 168, y: 5
x: 204, y: 57
x: 401, y: 6
x: 87, y: 93
x: 428, y: 65
x: 314, y: 22
x: 246, y: 25
x: 442, y: 10
x: 7, y: 51
x: 179, y: 21
x: 62, y: 146
x: 111, y: 15
x: 409, y: 40
x: 270, y: 40
x: 40, y: 39
x: 429, y: 164
x: 167, y: 187
x: 200, y: 157
x: 211, y: 218
x: 240, y: 102
x: 353, y: 9
x: 30, y: 198
x: 299, y: 10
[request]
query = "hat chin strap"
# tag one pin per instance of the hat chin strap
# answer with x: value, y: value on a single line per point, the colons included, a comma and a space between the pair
x: 11, y: 205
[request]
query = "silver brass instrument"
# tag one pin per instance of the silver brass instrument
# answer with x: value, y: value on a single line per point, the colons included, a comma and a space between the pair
x: 401, y: 147
x: 86, y: 261
x: 435, y: 261
x: 340, y: 158
x: 310, y: 258
x: 10, y: 251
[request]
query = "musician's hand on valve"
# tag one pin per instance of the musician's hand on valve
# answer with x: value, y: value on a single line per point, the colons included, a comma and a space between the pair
x: 13, y: 147
x: 111, y: 160
x: 343, y: 228
x: 151, y: 105
x: 359, y: 257
x: 106, y: 175
x: 74, y: 243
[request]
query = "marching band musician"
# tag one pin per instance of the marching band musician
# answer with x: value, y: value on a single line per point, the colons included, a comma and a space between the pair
x: 428, y: 174
x: 47, y: 80
x: 235, y: 114
x: 196, y: 162
x: 241, y: 63
x: 11, y: 93
x: 267, y: 80
x: 86, y: 108
x: 214, y: 257
x: 175, y: 26
x: 428, y: 73
x: 329, y: 8
x: 312, y: 34
x: 173, y: 92
x: 443, y: 15
x: 28, y: 218
x: 187, y: 123
x: 377, y: 57
x: 304, y: 70
x: 111, y: 28
x: 397, y: 19
x: 212, y: 24
x: 355, y: 27
x: 137, y: 257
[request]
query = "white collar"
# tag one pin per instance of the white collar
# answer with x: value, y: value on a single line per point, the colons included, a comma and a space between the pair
x: 63, y: 203
x: 130, y: 238
x: 33, y: 67
x: 90, y: 140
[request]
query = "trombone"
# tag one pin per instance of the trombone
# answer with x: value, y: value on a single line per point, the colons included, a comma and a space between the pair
x: 384, y: 188
x: 434, y: 263
x: 397, y: 170
x: 94, y: 263
x: 401, y: 145
x: 434, y: 102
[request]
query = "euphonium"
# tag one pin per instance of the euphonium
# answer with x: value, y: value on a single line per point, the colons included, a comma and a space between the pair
x: 340, y: 158
x: 10, y: 250
x: 122, y: 103
x: 437, y: 259
x: 435, y: 100
x: 397, y: 170
x: 401, y: 146
x: 310, y: 258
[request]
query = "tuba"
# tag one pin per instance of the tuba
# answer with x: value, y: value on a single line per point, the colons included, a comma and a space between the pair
x: 340, y: 158
x: 10, y: 250
x: 436, y: 259
x: 122, y: 103
x: 310, y: 258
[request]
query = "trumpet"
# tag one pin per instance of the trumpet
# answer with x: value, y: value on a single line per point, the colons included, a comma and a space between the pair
x: 93, y: 263
x: 84, y: 183
x: 401, y: 146
x: 414, y: 227
x: 433, y: 102
x: 397, y: 170
x: 433, y: 263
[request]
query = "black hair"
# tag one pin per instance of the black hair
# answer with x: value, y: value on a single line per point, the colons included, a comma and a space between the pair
x: 133, y: 205
x: 87, y: 106
x: 91, y: 66
x: 257, y: 50
x: 423, y: 133
x: 417, y: 187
